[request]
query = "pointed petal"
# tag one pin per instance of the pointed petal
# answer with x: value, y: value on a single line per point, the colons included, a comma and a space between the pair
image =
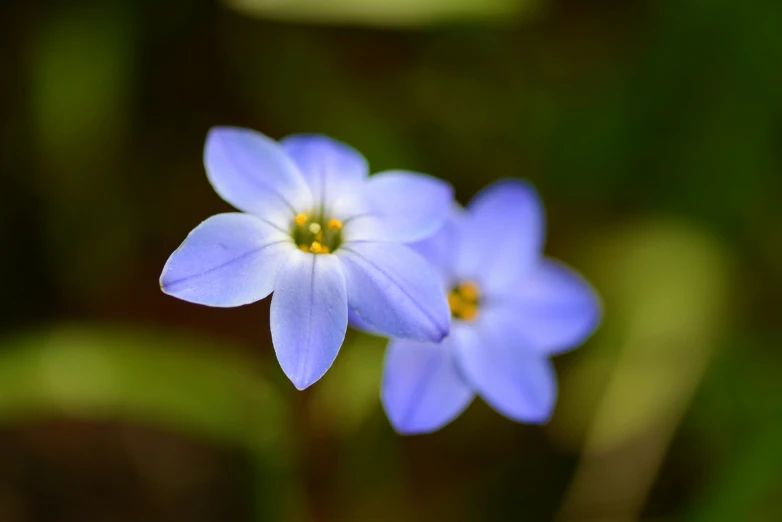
x: 413, y: 206
x: 395, y: 291
x: 228, y: 260
x: 309, y: 316
x: 513, y: 379
x: 330, y: 167
x: 252, y: 172
x: 555, y: 309
x: 422, y: 388
x: 502, y: 236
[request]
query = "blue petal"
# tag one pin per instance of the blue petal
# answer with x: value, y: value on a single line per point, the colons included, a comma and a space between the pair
x: 502, y: 236
x: 554, y: 309
x: 357, y: 322
x: 365, y: 227
x: 252, y: 172
x: 438, y: 249
x: 422, y: 388
x: 513, y: 379
x: 413, y: 205
x: 228, y: 260
x: 395, y: 291
x: 309, y: 316
x: 330, y: 167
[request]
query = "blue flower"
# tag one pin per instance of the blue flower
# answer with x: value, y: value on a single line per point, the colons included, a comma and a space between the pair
x: 320, y: 235
x: 511, y: 307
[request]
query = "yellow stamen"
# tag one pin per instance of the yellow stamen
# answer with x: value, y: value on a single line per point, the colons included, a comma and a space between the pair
x: 314, y: 228
x: 335, y: 224
x: 304, y: 248
x: 464, y: 301
x: 470, y: 291
x: 469, y: 312
x: 316, y: 248
x: 324, y: 249
x: 455, y: 302
x: 300, y: 219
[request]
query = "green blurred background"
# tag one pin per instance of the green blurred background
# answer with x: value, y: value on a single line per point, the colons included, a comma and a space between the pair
x: 653, y: 130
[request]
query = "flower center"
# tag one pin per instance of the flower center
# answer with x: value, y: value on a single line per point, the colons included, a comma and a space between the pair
x: 464, y: 300
x: 309, y: 233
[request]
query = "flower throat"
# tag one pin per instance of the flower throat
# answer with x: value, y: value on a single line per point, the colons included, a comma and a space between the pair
x: 311, y: 235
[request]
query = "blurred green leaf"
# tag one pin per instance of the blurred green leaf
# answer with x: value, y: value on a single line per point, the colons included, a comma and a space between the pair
x: 666, y: 285
x: 82, y: 69
x: 382, y: 12
x: 158, y: 379
x: 737, y: 414
x: 350, y: 392
x: 165, y: 380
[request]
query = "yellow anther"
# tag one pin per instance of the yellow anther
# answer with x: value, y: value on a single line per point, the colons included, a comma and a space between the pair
x: 304, y: 248
x: 300, y: 219
x: 324, y: 249
x: 469, y: 291
x: 468, y: 313
x: 463, y: 301
x: 316, y: 248
x: 455, y: 302
x: 314, y: 228
x: 335, y: 224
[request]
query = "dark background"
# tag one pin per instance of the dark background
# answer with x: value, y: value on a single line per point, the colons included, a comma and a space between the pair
x: 652, y: 129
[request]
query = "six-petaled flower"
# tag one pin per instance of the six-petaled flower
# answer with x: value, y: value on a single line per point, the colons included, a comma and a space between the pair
x: 511, y: 307
x: 320, y: 234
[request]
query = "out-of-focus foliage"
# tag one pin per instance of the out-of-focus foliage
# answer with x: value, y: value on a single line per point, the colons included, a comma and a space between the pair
x: 652, y: 130
x: 348, y: 397
x: 382, y: 12
x: 669, y: 299
x: 669, y: 294
x: 174, y: 382
x: 737, y: 418
x: 81, y: 72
